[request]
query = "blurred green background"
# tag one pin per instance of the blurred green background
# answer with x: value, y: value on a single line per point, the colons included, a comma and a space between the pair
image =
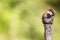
x: 21, y: 19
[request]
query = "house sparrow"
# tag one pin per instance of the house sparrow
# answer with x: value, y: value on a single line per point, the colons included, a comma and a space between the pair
x: 47, y: 17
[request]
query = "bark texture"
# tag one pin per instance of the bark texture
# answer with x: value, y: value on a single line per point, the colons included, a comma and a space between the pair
x: 47, y: 33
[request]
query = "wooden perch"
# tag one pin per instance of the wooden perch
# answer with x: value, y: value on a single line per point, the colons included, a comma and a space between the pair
x: 47, y: 20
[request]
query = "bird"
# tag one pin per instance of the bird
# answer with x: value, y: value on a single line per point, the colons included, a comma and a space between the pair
x: 48, y: 16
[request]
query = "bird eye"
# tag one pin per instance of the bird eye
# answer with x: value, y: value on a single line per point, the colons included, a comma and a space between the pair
x: 48, y: 15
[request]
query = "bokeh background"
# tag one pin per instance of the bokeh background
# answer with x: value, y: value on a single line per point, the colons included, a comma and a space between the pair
x: 22, y: 19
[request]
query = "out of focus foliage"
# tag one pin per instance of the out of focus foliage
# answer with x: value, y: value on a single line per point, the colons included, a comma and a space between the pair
x: 54, y: 3
x: 21, y: 19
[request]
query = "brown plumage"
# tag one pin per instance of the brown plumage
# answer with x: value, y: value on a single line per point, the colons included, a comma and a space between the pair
x: 47, y: 17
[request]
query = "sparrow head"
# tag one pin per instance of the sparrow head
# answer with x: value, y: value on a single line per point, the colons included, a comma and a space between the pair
x: 50, y: 13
